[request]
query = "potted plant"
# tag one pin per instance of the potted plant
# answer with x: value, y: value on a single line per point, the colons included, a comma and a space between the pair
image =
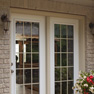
x: 85, y: 83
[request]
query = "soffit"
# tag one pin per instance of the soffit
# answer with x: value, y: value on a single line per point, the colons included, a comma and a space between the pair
x: 80, y: 2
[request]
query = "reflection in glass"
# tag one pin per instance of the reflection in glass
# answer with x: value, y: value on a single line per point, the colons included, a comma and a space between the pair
x: 19, y: 60
x: 64, y: 60
x: 19, y: 76
x: 70, y: 60
x: 57, y: 59
x: 28, y: 58
x: 27, y: 89
x: 70, y: 31
x: 70, y: 85
x: 35, y: 45
x: 19, y: 89
x: 57, y: 30
x: 63, y: 45
x: 27, y: 75
x: 57, y: 74
x: 64, y: 88
x: 70, y: 73
x: 27, y: 42
x: 64, y: 73
x: 57, y: 45
x: 19, y: 29
x: 35, y: 89
x: 27, y: 29
x: 70, y: 45
x: 35, y: 76
x: 19, y: 43
x: 57, y: 88
x: 17, y: 47
x: 35, y: 29
x: 63, y: 31
x: 35, y: 60
x: 27, y: 64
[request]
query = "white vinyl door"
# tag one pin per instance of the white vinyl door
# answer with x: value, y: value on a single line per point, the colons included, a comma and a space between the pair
x: 28, y: 54
x: 43, y: 58
x: 64, y: 55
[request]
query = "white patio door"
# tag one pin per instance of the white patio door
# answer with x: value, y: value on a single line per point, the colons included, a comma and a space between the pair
x: 37, y: 66
x: 64, y: 54
x: 28, y: 54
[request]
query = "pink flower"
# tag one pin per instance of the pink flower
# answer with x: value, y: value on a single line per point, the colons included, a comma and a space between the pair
x: 91, y: 77
x: 88, y: 79
x: 85, y: 92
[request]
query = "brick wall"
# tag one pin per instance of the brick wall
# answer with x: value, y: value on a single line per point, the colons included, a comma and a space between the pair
x: 4, y: 52
x: 44, y: 5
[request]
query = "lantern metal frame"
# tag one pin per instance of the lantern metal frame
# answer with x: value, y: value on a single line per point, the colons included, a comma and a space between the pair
x: 91, y: 26
x: 6, y: 22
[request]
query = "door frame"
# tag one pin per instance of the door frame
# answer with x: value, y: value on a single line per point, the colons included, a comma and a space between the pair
x: 42, y: 59
x: 81, y: 19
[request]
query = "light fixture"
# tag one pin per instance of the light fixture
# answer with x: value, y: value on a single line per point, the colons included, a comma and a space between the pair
x: 6, y: 22
x: 91, y: 26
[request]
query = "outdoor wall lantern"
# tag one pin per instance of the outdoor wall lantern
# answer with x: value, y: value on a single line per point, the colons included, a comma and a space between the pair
x: 6, y: 22
x: 91, y: 26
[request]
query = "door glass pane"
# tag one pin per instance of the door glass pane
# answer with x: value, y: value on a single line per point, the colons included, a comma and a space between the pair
x: 35, y: 88
x: 35, y: 75
x: 19, y: 76
x: 57, y: 30
x: 57, y: 74
x: 19, y: 29
x: 63, y: 45
x: 27, y: 45
x: 27, y: 60
x: 19, y: 60
x: 57, y: 88
x: 64, y: 88
x: 64, y: 60
x: 27, y: 29
x: 57, y: 45
x: 57, y: 59
x: 35, y: 30
x: 70, y: 31
x: 19, y: 89
x: 35, y: 45
x: 63, y: 31
x: 35, y: 60
x: 70, y: 84
x: 27, y: 57
x: 27, y: 89
x: 27, y: 76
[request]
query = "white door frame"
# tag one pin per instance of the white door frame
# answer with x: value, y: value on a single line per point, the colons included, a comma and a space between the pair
x: 30, y: 18
x: 50, y: 31
x: 50, y: 49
